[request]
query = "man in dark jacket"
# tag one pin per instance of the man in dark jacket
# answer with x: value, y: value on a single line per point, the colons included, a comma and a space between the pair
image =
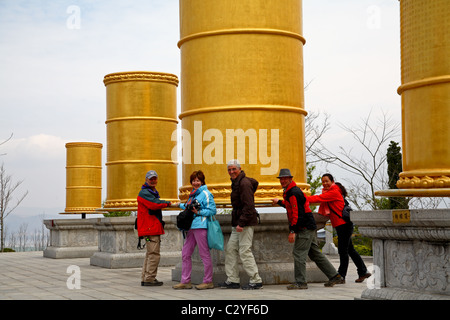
x: 243, y: 219
x: 302, y: 232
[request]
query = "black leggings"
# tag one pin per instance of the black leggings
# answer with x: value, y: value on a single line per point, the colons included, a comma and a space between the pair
x: 346, y: 249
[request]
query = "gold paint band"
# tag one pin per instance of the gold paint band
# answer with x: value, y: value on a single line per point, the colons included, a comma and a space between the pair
x: 140, y: 76
x: 83, y: 187
x: 141, y: 118
x: 84, y: 144
x: 83, y: 167
x: 242, y: 31
x: 242, y: 108
x: 423, y: 83
x: 140, y: 161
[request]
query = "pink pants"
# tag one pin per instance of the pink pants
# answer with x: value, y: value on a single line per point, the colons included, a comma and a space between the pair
x: 196, y: 237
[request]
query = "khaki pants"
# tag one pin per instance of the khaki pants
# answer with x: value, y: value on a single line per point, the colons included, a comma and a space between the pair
x: 240, y: 246
x: 152, y: 257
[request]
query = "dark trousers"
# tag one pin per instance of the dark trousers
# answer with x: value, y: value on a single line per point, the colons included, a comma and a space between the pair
x: 346, y: 249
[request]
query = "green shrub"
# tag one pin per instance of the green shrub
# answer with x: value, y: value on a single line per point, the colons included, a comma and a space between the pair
x: 117, y: 214
x: 363, y: 250
x: 362, y: 245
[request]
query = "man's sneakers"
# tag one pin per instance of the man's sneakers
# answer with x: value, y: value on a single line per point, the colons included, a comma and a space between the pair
x: 297, y: 286
x: 154, y: 283
x: 229, y: 285
x: 234, y: 285
x: 337, y: 279
x: 252, y: 286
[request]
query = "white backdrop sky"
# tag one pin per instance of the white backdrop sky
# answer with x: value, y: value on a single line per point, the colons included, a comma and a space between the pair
x: 51, y: 73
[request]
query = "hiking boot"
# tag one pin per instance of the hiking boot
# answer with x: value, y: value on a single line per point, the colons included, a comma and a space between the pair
x: 182, y: 286
x: 337, y: 279
x: 154, y: 283
x: 204, y: 286
x: 253, y: 286
x: 297, y: 286
x: 229, y: 285
x: 364, y: 277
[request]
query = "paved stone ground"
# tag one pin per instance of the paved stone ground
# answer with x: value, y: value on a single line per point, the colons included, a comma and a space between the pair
x: 30, y: 276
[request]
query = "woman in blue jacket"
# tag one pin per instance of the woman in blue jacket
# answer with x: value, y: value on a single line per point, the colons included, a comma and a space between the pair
x: 197, y: 235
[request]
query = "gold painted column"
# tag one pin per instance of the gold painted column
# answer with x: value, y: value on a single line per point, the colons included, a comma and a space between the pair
x: 242, y: 93
x: 83, y: 177
x: 425, y: 92
x: 141, y: 117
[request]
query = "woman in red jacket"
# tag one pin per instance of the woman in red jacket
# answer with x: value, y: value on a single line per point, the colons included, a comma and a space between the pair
x: 331, y: 204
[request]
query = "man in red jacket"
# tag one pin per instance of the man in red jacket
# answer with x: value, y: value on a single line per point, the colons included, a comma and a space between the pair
x: 302, y: 227
x: 150, y: 225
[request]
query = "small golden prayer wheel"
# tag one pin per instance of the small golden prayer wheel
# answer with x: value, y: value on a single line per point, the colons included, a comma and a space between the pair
x: 83, y: 177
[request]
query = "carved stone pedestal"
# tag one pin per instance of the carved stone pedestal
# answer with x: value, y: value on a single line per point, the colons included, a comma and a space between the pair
x: 71, y: 238
x: 271, y: 249
x: 411, y: 254
x: 117, y: 244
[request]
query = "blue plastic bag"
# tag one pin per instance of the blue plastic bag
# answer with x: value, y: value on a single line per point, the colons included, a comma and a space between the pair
x: 215, y: 235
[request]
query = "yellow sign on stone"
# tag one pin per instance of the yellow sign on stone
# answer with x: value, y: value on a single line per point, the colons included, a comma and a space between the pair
x: 401, y: 216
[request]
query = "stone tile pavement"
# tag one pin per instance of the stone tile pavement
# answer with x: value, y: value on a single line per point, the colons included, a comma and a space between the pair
x: 30, y: 276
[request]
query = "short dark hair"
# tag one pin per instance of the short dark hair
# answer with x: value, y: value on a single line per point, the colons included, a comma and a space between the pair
x: 329, y: 176
x: 197, y: 174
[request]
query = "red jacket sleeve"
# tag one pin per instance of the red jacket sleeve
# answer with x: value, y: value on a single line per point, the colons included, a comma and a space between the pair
x: 152, y: 205
x: 332, y: 195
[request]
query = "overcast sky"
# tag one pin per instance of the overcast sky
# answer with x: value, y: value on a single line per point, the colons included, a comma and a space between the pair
x: 54, y: 55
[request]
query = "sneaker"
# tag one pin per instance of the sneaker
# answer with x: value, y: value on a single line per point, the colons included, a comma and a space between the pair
x: 252, y: 286
x: 182, y: 286
x: 153, y: 283
x: 204, y: 286
x: 337, y: 279
x: 229, y: 285
x: 297, y: 286
x: 364, y: 277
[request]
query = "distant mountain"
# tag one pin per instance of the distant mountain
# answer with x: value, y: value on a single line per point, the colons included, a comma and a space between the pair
x: 34, y: 217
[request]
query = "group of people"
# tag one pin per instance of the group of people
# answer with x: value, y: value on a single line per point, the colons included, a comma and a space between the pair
x: 302, y: 230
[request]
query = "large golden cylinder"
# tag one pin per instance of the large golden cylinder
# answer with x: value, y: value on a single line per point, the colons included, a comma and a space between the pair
x: 425, y: 93
x: 242, y: 92
x: 83, y: 177
x: 141, y: 117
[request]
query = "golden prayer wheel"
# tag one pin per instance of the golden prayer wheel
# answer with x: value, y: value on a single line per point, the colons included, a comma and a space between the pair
x: 242, y: 93
x: 425, y: 93
x: 83, y: 177
x: 141, y: 117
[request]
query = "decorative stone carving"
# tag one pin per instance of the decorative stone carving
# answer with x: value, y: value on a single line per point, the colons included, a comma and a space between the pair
x: 412, y: 258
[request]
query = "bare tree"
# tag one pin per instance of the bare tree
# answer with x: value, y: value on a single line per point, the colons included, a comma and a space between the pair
x: 12, y: 240
x: 23, y: 237
x: 5, y: 141
x: 40, y: 237
x: 7, y: 189
x: 367, y: 162
x: 316, y: 125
